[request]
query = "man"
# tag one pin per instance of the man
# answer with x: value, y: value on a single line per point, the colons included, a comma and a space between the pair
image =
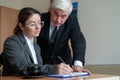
x: 67, y: 28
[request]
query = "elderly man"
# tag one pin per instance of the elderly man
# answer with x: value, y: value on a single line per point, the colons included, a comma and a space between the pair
x: 60, y: 27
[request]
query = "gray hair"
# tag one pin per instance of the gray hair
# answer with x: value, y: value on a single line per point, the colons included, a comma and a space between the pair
x: 62, y: 4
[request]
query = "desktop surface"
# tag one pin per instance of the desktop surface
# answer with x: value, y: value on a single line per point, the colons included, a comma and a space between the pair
x: 91, y: 77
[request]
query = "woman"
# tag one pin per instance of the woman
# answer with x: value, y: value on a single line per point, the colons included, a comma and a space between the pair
x: 21, y: 55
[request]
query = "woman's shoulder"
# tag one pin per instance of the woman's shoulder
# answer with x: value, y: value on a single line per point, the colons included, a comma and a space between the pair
x: 12, y: 37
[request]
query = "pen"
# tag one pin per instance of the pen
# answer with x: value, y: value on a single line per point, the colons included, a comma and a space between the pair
x: 61, y: 59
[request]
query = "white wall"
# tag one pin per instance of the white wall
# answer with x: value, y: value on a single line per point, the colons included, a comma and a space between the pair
x: 16, y: 4
x: 41, y: 5
x: 100, y: 22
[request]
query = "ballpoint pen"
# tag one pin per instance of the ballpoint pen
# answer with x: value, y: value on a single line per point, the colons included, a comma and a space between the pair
x: 61, y: 59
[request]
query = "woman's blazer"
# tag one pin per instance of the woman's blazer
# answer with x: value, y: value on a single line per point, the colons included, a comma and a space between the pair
x: 17, y: 57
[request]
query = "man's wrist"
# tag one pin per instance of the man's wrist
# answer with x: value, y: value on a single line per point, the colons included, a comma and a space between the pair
x: 78, y: 63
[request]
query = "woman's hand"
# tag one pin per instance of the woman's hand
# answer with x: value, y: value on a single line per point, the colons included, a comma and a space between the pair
x: 64, y: 69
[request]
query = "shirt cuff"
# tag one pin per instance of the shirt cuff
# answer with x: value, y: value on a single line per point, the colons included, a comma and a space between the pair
x: 79, y: 63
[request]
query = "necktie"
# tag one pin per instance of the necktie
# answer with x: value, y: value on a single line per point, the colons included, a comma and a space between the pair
x: 53, y: 37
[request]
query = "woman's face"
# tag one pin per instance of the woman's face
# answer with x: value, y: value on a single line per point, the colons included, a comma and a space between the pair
x: 32, y: 26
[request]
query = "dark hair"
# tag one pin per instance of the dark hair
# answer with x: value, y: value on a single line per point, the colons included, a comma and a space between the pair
x: 23, y: 16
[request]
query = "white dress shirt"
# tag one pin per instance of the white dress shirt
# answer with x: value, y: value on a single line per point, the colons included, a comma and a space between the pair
x: 32, y: 50
x: 52, y: 27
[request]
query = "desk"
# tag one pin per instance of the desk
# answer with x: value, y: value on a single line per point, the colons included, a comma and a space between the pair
x: 91, y: 77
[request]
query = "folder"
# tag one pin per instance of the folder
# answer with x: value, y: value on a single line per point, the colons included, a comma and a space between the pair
x: 73, y: 74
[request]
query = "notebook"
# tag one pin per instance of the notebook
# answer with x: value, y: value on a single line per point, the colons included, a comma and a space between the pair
x: 73, y: 74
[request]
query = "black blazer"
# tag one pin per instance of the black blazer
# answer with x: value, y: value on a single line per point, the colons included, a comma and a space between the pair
x: 69, y: 30
x: 17, y: 57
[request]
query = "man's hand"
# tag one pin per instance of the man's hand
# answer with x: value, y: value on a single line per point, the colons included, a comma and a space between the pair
x: 77, y: 68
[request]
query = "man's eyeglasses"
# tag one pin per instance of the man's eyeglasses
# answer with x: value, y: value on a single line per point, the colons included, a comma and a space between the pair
x: 33, y: 24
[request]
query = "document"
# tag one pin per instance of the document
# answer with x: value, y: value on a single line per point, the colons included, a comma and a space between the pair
x: 73, y: 74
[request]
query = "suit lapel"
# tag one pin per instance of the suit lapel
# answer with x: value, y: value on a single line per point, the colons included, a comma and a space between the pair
x: 45, y: 30
x: 47, y: 33
x: 29, y: 53
x: 37, y: 50
x: 58, y: 37
x: 27, y: 50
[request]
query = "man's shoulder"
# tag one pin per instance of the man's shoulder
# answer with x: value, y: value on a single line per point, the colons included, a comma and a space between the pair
x: 72, y: 16
x: 71, y: 19
x: 45, y: 15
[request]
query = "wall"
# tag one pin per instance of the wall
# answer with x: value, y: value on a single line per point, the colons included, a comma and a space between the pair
x: 100, y: 22
x: 7, y: 23
x: 41, y: 5
x: 16, y: 4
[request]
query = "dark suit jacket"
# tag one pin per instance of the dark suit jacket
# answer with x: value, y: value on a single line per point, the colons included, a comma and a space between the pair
x: 69, y: 30
x: 17, y: 57
x: 0, y: 59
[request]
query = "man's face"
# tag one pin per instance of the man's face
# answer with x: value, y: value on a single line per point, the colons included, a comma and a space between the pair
x: 58, y: 16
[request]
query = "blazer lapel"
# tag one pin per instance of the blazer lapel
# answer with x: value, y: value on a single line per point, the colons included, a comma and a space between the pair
x: 38, y: 55
x: 27, y: 50
x: 45, y: 29
x: 58, y: 37
x: 47, y: 33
